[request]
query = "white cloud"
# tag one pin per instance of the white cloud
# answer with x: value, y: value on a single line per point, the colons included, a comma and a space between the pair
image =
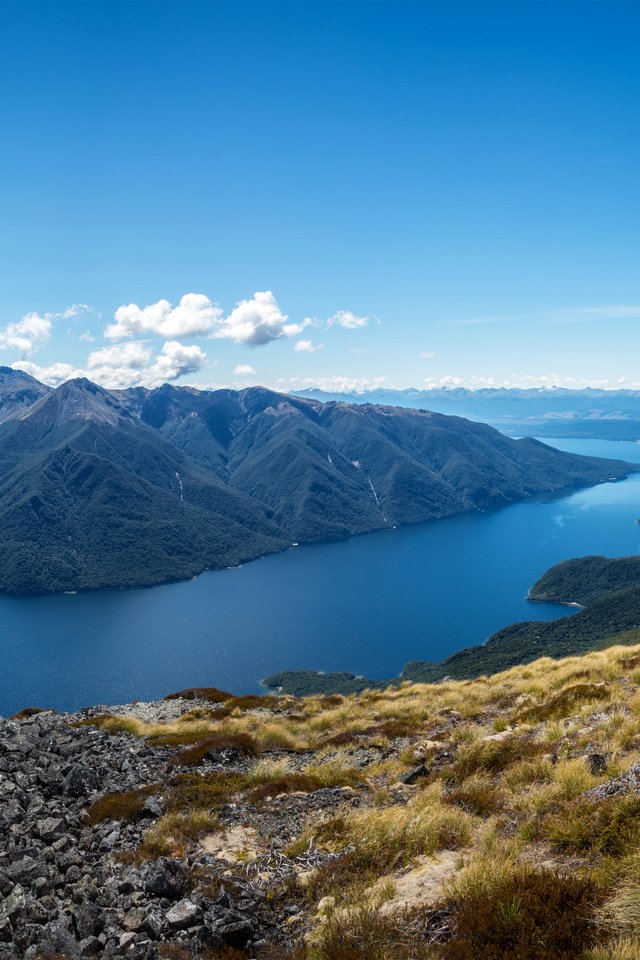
x: 27, y: 334
x: 127, y: 365
x: 175, y: 360
x: 335, y: 384
x: 307, y: 346
x: 87, y: 337
x: 517, y: 381
x: 244, y: 370
x: 195, y: 315
x: 75, y: 310
x: 54, y: 374
x: 427, y: 355
x: 134, y: 355
x: 347, y: 319
x: 256, y: 322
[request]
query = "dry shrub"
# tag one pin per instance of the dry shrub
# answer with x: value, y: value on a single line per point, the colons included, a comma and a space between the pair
x: 565, y: 702
x: 173, y: 833
x: 211, y: 694
x: 399, y: 727
x: 610, y: 826
x: 476, y: 795
x: 308, y: 781
x: 490, y: 756
x: 190, y: 791
x: 255, y: 701
x: 368, y: 935
x: 126, y: 806
x: 289, y: 784
x: 27, y: 712
x: 384, y: 839
x: 624, y: 948
x: 329, y: 700
x: 242, y: 743
x: 110, y: 723
x: 527, y: 915
x: 346, y: 737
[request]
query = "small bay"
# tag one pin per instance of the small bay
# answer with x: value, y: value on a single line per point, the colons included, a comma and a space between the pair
x: 368, y: 605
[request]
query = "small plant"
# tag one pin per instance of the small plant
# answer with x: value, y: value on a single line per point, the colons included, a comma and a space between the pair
x: 27, y: 712
x: 476, y: 795
x: 241, y: 743
x: 610, y: 826
x: 565, y: 702
x: 370, y: 935
x: 526, y: 915
x: 125, y: 806
x: 211, y: 694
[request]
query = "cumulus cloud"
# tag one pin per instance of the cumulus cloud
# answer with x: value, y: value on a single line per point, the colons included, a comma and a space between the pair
x: 256, y: 322
x: 244, y: 370
x: 54, y: 374
x: 174, y: 361
x: 28, y: 333
x: 134, y: 355
x: 347, y: 319
x: 33, y: 330
x: 123, y: 366
x: 427, y: 355
x: 307, y: 346
x: 195, y: 315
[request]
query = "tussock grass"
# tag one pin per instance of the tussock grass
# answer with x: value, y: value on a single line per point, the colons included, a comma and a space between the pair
x: 28, y: 712
x: 241, y: 743
x: 125, y: 806
x: 369, y: 935
x: 173, y: 833
x: 386, y: 838
x: 512, y: 806
x: 623, y: 948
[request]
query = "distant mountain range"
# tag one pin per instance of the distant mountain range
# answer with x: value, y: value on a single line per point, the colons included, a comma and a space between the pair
x: 137, y: 487
x: 553, y: 412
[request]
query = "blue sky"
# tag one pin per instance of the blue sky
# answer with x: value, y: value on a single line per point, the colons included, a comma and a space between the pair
x: 428, y: 190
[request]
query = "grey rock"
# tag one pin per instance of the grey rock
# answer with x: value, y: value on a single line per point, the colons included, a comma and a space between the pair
x: 414, y: 775
x: 50, y: 828
x: 184, y: 914
x: 80, y: 781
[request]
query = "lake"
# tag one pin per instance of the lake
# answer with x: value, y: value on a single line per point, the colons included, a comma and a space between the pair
x: 367, y: 605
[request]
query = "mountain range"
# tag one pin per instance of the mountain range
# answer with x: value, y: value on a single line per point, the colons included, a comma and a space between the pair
x: 589, y: 413
x: 137, y: 487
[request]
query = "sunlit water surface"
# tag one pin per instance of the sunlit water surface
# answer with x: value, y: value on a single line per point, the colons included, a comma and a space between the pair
x: 368, y: 604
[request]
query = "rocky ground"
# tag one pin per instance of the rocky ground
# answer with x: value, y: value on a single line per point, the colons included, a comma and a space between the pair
x: 397, y: 825
x: 73, y: 888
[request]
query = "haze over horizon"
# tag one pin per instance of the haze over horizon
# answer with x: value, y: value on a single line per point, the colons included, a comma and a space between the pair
x: 334, y: 195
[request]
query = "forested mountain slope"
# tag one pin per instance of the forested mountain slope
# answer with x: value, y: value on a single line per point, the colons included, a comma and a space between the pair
x: 136, y: 487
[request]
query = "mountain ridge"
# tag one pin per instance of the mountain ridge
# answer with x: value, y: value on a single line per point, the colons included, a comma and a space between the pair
x: 213, y: 478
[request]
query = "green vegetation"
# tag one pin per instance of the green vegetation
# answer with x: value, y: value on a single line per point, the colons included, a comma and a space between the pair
x: 513, y: 844
x: 587, y: 579
x: 145, y: 487
x: 611, y: 617
x: 526, y: 915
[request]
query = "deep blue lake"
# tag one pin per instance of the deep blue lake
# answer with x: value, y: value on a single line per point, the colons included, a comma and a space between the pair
x: 367, y: 605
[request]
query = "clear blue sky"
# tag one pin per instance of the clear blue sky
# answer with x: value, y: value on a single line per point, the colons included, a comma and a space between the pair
x: 450, y: 178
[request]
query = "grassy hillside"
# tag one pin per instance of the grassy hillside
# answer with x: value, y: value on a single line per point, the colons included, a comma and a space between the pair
x: 488, y: 819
